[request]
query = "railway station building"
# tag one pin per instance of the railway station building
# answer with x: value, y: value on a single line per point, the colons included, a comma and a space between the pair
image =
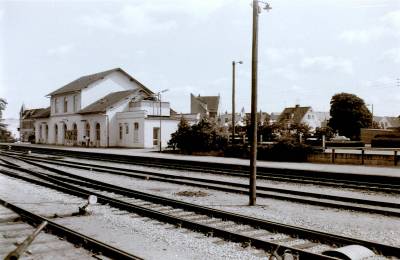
x: 106, y: 109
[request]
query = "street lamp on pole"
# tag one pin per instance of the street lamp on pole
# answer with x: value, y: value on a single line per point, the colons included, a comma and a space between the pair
x: 233, y: 98
x: 159, y: 101
x: 253, y: 117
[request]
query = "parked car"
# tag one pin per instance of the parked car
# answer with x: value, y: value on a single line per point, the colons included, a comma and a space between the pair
x: 340, y: 138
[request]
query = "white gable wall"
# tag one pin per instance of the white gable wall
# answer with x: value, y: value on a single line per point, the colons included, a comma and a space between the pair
x: 167, y: 128
x: 311, y: 119
x: 73, y: 103
x: 114, y: 82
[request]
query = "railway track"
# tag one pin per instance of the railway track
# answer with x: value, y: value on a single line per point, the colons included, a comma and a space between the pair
x: 331, y: 179
x: 59, y: 242
x: 363, y: 205
x: 259, y: 233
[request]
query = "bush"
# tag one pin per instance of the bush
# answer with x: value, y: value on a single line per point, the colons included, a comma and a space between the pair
x: 313, y: 142
x: 394, y: 135
x: 386, y: 142
x: 345, y: 144
x: 237, y: 151
x: 202, y: 137
x: 287, y: 150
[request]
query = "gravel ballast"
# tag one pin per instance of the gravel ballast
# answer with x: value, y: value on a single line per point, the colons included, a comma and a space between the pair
x: 374, y: 227
x: 144, y: 237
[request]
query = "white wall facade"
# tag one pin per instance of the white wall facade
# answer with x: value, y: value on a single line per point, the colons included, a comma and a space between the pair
x: 311, y: 120
x: 132, y: 132
x: 53, y: 136
x: 152, y: 108
x: 168, y: 126
x: 114, y: 82
x: 73, y: 104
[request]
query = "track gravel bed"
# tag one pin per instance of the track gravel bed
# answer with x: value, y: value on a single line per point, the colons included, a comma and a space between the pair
x: 372, y: 227
x: 345, y: 192
x: 148, y: 238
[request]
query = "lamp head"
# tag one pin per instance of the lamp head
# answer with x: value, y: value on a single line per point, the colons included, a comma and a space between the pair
x: 267, y: 7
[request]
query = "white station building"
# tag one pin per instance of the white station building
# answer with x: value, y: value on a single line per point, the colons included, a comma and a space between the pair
x: 107, y: 109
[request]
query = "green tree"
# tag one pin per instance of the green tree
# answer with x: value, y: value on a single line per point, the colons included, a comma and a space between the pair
x: 5, y: 135
x: 348, y: 115
x: 3, y: 104
x: 178, y: 138
x: 201, y: 137
x: 320, y: 131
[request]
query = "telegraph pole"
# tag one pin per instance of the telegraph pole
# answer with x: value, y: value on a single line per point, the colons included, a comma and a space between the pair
x: 253, y: 117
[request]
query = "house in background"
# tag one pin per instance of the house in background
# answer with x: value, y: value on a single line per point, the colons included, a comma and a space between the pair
x: 323, y: 117
x: 106, y: 109
x: 204, y: 105
x: 27, y: 119
x: 225, y: 119
x: 273, y: 117
x: 387, y: 122
x: 299, y: 115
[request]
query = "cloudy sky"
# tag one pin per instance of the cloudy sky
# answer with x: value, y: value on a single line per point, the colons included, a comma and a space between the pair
x: 308, y: 50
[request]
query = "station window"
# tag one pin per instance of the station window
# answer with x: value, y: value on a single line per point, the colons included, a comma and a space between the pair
x: 126, y: 128
x: 65, y: 105
x: 97, y: 132
x: 55, y: 105
x: 120, y: 131
x: 75, y: 105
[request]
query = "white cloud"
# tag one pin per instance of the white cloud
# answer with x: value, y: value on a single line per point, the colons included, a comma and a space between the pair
x: 392, y: 54
x: 364, y: 36
x: 1, y: 14
x: 61, y: 50
x: 392, y: 18
x: 281, y: 54
x: 327, y: 63
x: 148, y: 17
x: 286, y: 72
x: 389, y: 26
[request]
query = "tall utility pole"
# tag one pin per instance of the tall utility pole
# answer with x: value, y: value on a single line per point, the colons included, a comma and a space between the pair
x: 253, y: 117
x: 233, y: 98
x: 159, y: 102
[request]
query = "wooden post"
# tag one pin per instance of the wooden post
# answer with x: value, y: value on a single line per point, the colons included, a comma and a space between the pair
x: 362, y: 156
x: 333, y: 155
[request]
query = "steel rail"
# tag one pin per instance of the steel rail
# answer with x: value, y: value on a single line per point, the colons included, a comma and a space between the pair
x: 355, y: 181
x: 371, y: 206
x: 255, y: 222
x: 72, y: 236
x: 180, y: 222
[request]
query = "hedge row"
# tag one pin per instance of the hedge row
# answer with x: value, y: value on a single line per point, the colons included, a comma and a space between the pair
x: 281, y: 151
x: 345, y: 144
x: 386, y: 142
